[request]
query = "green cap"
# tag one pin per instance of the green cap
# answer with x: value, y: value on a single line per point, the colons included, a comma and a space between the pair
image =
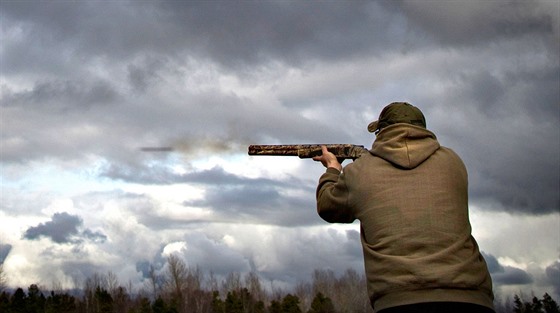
x: 398, y: 112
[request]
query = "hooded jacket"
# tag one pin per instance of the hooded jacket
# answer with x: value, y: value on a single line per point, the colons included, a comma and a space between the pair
x: 410, y: 195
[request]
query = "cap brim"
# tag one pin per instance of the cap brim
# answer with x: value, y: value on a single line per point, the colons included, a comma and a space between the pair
x: 373, y: 126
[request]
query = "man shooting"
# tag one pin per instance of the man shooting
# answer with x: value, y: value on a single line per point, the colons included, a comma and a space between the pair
x: 410, y: 196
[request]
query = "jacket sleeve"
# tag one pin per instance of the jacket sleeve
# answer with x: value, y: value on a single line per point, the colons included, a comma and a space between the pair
x: 332, y: 198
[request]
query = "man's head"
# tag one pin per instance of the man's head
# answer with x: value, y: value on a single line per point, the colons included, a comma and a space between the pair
x: 398, y: 112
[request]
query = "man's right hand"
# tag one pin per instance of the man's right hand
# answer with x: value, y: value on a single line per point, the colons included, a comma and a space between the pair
x: 328, y: 159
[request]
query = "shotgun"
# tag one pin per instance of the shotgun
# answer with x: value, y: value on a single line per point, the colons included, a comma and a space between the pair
x: 341, y: 151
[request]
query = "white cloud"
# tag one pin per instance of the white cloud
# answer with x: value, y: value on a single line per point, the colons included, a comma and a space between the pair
x: 80, y: 96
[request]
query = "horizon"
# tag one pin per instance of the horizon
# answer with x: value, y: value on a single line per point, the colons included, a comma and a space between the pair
x: 124, y: 129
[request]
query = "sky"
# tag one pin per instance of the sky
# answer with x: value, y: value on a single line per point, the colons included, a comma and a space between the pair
x: 86, y: 85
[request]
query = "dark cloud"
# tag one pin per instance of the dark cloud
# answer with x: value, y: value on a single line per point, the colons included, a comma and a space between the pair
x: 506, y: 275
x: 512, y: 276
x: 62, y: 96
x: 143, y: 267
x: 235, y: 198
x: 507, y: 136
x: 256, y: 33
x: 63, y: 228
x: 254, y: 203
x: 231, y: 33
x: 4, y: 251
x: 94, y: 236
x: 164, y: 175
x: 553, y: 274
x: 229, y: 197
x: 353, y: 246
x: 60, y: 229
x: 470, y: 23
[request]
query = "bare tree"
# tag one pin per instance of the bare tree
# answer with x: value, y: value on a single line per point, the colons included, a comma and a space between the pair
x: 212, y: 283
x: 232, y: 283
x: 155, y: 281
x: 253, y: 284
x: 351, y: 293
x: 303, y: 290
x: 324, y: 282
x: 176, y: 279
x: 112, y: 283
x: 93, y: 284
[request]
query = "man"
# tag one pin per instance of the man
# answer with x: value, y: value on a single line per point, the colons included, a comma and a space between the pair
x: 410, y: 195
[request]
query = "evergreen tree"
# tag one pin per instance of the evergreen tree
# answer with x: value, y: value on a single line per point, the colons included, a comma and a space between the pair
x: 17, y: 301
x: 159, y: 306
x: 290, y: 304
x: 145, y: 306
x: 321, y: 304
x: 275, y: 307
x: 549, y: 305
x: 35, y: 301
x: 217, y: 303
x: 233, y: 303
x: 60, y: 303
x: 103, y: 300
x: 536, y: 306
x: 4, y: 301
x: 518, y: 306
x: 259, y: 307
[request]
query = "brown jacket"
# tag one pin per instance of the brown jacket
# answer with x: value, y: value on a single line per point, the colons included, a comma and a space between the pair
x: 410, y: 195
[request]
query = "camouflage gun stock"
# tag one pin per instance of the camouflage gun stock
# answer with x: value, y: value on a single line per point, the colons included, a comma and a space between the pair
x: 341, y: 151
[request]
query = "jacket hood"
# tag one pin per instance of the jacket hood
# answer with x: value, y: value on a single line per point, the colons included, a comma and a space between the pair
x: 405, y: 145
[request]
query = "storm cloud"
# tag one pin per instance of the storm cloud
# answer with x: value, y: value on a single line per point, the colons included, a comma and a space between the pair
x: 85, y: 88
x: 62, y: 228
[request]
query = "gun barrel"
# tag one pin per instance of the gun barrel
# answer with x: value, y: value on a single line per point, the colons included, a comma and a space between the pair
x: 290, y: 150
x: 349, y: 151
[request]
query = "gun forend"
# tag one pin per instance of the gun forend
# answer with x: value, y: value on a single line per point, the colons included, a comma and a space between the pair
x: 341, y: 151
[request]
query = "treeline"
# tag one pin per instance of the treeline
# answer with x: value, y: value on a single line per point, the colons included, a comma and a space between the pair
x: 180, y: 289
x: 536, y: 305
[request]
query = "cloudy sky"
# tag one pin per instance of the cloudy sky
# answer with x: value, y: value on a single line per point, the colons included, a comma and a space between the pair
x: 84, y: 86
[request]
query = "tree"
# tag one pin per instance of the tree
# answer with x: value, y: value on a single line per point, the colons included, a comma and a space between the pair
x: 232, y: 283
x: 35, y: 301
x: 350, y: 293
x: 546, y: 305
x: 536, y: 306
x: 17, y: 301
x: 275, y: 307
x: 159, y: 306
x: 290, y: 304
x: 549, y: 305
x: 144, y: 306
x: 518, y: 306
x: 177, y: 274
x: 233, y: 303
x: 217, y: 305
x: 121, y: 299
x: 103, y: 301
x: 60, y: 303
x: 324, y: 282
x: 4, y: 301
x: 91, y: 286
x: 254, y: 286
x: 155, y: 282
x: 321, y: 304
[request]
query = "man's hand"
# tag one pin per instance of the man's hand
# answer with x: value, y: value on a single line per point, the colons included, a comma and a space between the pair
x: 328, y: 159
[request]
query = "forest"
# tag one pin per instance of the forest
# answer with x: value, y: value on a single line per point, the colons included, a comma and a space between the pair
x: 181, y: 289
